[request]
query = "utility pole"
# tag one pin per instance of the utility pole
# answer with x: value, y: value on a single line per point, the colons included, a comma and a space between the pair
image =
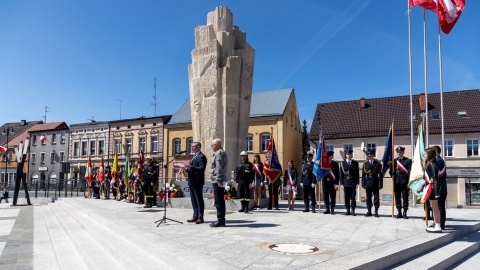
x: 154, y: 104
x: 45, y: 115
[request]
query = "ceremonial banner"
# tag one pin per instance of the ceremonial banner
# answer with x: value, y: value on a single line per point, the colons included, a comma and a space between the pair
x: 140, y: 164
x: 101, y: 171
x: 387, y: 155
x: 88, y: 172
x: 417, y: 181
x: 321, y: 166
x: 3, y: 149
x: 271, y: 166
x: 114, y: 166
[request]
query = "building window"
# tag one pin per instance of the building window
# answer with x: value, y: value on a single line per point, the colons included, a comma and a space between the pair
x: 189, y: 145
x: 84, y: 148
x: 62, y: 156
x: 34, y: 156
x: 76, y: 149
x: 42, y: 158
x: 62, y: 137
x: 154, y: 144
x: 128, y: 143
x: 52, y: 157
x: 372, y: 147
x: 93, y: 148
x: 347, y: 147
x: 142, y: 143
x: 264, y: 139
x: 329, y: 147
x: 177, y: 144
x: 54, y: 138
x: 101, y: 147
x: 118, y: 146
x: 249, y: 143
x: 34, y: 139
x: 448, y: 151
x: 436, y: 115
x: 472, y: 147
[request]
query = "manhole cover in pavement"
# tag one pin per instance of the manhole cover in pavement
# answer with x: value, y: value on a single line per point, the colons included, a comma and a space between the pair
x: 293, y: 248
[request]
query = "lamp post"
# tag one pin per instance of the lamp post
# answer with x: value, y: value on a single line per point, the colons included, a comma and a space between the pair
x: 6, y: 131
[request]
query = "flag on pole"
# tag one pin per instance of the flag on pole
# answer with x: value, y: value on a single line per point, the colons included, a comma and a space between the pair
x: 114, y: 166
x: 321, y: 166
x: 88, y: 172
x: 387, y: 154
x: 140, y: 163
x: 101, y: 171
x: 449, y: 12
x: 428, y: 4
x: 3, y: 149
x: 271, y: 166
x: 417, y: 174
x: 126, y: 169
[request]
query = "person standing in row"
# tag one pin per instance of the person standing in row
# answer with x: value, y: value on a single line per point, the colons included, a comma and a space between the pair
x: 330, y: 185
x: 290, y: 184
x: 106, y: 183
x: 243, y: 176
x: 308, y: 184
x: 150, y: 178
x: 431, y: 169
x: 196, y: 180
x: 442, y: 178
x: 349, y: 179
x: 400, y: 171
x: 273, y: 194
x: 258, y: 181
x: 372, y: 182
x: 218, y: 175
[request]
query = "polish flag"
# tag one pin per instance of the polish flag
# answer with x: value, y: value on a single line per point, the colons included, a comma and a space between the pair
x: 43, y: 139
x: 3, y: 149
x: 448, y: 13
x: 428, y: 4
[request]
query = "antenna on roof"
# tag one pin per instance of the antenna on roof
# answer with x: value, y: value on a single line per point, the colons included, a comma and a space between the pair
x: 154, y: 104
x: 92, y: 119
x: 45, y: 115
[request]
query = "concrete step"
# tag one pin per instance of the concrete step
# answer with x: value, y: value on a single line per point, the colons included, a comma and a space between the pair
x: 472, y: 262
x: 52, y: 244
x: 129, y: 254
x: 446, y: 256
x: 89, y: 249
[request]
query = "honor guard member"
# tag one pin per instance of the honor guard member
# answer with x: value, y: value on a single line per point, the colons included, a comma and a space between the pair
x: 309, y: 181
x: 149, y: 177
x: 372, y: 182
x: 400, y: 171
x: 442, y: 179
x: 330, y: 185
x: 243, y: 176
x: 349, y: 179
x: 106, y: 183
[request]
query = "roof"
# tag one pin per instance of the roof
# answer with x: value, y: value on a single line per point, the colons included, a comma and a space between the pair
x: 276, y: 105
x: 37, y: 127
x: 346, y: 119
x: 18, y: 128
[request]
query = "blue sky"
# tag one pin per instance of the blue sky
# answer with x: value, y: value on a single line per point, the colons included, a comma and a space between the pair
x: 80, y: 58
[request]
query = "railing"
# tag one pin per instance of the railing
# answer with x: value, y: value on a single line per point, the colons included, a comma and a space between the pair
x: 53, y: 188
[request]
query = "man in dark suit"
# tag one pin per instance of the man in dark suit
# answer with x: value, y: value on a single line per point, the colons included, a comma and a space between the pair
x: 330, y: 185
x: 196, y: 180
x: 349, y: 179
x: 400, y: 171
x: 372, y: 182
x: 309, y: 181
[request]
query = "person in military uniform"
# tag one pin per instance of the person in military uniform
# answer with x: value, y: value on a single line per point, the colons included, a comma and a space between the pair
x: 442, y: 179
x: 106, y: 183
x: 372, y: 182
x: 243, y: 176
x: 349, y: 179
x: 309, y: 181
x: 400, y: 171
x: 150, y: 178
x: 330, y: 185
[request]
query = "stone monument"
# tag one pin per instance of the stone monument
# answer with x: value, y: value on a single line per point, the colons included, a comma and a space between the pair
x: 220, y: 82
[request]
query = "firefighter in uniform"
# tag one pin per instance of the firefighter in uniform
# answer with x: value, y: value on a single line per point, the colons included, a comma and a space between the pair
x: 330, y: 185
x: 243, y: 176
x: 149, y: 177
x: 349, y: 178
x: 400, y: 171
x: 372, y: 182
x: 309, y: 181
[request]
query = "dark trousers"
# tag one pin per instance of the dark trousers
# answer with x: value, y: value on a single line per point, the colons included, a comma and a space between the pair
x: 244, y: 192
x: 309, y: 194
x: 273, y: 193
x: 149, y: 194
x: 401, y: 196
x: 6, y: 199
x: 441, y: 206
x: 219, y: 193
x: 196, y: 195
x: 329, y: 195
x: 350, y: 200
x: 376, y: 200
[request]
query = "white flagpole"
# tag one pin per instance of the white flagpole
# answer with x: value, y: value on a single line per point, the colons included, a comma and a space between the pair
x: 425, y: 73
x: 410, y: 75
x: 441, y: 90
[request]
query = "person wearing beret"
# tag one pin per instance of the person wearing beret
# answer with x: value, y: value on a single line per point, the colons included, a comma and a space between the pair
x: 349, y: 179
x: 400, y: 171
x: 330, y: 185
x: 308, y: 183
x: 372, y: 182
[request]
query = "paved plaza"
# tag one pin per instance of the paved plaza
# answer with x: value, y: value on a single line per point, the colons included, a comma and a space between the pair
x: 76, y: 233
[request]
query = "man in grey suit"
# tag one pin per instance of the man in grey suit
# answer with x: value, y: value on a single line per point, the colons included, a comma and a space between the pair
x: 218, y: 175
x: 196, y: 180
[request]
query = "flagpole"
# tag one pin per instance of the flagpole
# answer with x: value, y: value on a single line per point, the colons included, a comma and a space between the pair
x: 441, y: 90
x: 393, y: 177
x: 425, y: 72
x: 410, y: 79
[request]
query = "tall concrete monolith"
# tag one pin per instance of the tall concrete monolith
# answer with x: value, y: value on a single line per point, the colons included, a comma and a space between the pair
x: 220, y: 81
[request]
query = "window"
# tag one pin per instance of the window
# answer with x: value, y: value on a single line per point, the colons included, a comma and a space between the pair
x: 42, y: 158
x: 52, y: 157
x: 63, y: 136
x: 448, y: 151
x: 34, y: 156
x: 249, y: 143
x: 177, y: 146
x: 154, y: 144
x: 329, y: 147
x: 62, y: 156
x: 347, y: 147
x: 189, y: 145
x: 93, y: 148
x: 264, y: 140
x: 54, y: 138
x: 462, y: 114
x: 472, y: 147
x: 34, y: 139
x: 436, y: 115
x: 44, y: 142
x: 101, y: 147
x: 372, y: 147
x: 76, y: 149
x: 118, y: 146
x: 128, y: 143
x: 142, y: 143
x: 84, y: 148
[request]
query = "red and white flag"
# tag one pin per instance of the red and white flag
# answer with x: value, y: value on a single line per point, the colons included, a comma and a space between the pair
x: 43, y: 139
x: 448, y: 13
x: 428, y: 4
x: 3, y: 149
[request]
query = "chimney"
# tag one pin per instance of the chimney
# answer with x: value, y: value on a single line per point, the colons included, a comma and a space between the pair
x: 362, y: 103
x: 23, y: 122
x: 421, y: 102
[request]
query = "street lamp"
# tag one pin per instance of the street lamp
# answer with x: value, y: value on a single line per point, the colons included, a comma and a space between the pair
x: 6, y: 131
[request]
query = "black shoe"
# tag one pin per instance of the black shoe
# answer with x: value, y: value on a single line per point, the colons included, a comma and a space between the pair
x: 405, y: 214
x: 327, y: 211
x: 218, y: 224
x: 353, y: 212
x: 368, y: 214
x: 332, y: 211
x: 306, y: 210
x: 276, y: 208
x: 376, y: 213
x: 347, y: 213
x: 313, y: 210
x: 269, y: 208
x: 399, y: 215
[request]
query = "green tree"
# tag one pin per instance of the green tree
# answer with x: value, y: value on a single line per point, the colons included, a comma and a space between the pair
x: 305, y: 143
